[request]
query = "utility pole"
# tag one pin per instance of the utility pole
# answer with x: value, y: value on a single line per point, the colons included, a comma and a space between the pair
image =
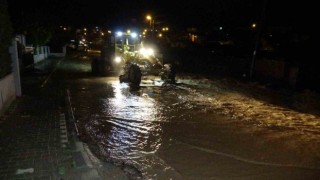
x: 258, y: 36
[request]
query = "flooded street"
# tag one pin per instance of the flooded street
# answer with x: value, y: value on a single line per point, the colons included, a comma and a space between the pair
x: 186, y: 132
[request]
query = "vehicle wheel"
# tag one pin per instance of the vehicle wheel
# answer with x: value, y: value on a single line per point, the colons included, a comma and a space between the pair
x: 121, y: 79
x: 168, y: 73
x: 134, y: 75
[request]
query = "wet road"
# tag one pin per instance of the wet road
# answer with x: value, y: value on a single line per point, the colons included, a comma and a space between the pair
x: 164, y: 132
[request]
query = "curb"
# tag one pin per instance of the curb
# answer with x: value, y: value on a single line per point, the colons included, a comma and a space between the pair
x: 80, y: 152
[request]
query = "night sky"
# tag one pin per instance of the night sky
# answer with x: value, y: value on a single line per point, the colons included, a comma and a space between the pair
x: 176, y: 13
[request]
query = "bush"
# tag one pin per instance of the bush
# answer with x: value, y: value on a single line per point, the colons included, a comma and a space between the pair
x: 5, y: 40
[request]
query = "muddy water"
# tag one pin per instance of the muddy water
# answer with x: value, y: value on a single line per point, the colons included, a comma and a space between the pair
x: 126, y: 124
x: 164, y: 132
x: 131, y: 126
x: 172, y: 132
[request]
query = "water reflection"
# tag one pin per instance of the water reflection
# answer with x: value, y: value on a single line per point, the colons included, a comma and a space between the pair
x: 124, y: 125
x: 134, y: 117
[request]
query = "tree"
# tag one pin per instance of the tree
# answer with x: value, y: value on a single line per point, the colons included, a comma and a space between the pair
x: 38, y: 35
x: 5, y: 39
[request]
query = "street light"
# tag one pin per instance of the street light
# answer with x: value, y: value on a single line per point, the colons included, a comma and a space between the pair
x: 258, y: 36
x: 149, y: 18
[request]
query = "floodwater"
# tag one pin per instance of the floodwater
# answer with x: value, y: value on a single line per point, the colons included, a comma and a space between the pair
x: 177, y: 132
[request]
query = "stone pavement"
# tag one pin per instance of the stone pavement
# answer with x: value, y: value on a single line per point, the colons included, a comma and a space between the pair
x: 31, y: 141
x: 34, y: 138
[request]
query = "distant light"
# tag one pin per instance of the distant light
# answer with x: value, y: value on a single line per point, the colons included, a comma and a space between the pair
x: 85, y: 33
x: 160, y: 35
x: 97, y: 27
x: 220, y: 28
x: 64, y: 29
x: 102, y: 34
x: 145, y: 30
x: 119, y: 33
x: 72, y: 40
x: 134, y: 35
x: 85, y: 29
x: 144, y: 33
x: 83, y: 40
x: 128, y: 31
x: 109, y: 31
x: 193, y: 38
x: 165, y: 29
x: 254, y: 25
x: 148, y: 17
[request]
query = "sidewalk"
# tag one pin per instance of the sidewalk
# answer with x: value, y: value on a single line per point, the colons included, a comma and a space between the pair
x: 31, y: 141
x: 36, y: 141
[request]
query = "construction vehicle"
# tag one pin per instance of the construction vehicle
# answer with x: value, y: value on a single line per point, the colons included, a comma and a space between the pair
x: 133, y: 59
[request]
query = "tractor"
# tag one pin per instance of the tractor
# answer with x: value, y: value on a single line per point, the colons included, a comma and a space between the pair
x: 132, y: 58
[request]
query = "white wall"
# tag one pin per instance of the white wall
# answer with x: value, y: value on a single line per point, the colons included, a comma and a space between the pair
x: 40, y: 54
x: 7, y: 91
x: 39, y: 57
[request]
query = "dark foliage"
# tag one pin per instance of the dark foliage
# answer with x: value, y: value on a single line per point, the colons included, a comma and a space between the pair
x: 5, y: 39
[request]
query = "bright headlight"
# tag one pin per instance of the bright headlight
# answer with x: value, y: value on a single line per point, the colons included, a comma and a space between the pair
x: 134, y: 35
x: 146, y: 52
x: 119, y: 34
x: 117, y: 59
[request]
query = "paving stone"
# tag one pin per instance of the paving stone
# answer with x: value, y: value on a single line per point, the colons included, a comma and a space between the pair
x: 30, y: 136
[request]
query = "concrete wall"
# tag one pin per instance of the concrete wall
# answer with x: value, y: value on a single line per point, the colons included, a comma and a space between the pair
x: 7, y: 91
x: 41, y: 53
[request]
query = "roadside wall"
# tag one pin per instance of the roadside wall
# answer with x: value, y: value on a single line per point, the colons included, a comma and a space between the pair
x: 7, y: 91
x: 41, y: 53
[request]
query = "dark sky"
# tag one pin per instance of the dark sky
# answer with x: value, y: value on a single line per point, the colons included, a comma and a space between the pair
x: 179, y: 13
